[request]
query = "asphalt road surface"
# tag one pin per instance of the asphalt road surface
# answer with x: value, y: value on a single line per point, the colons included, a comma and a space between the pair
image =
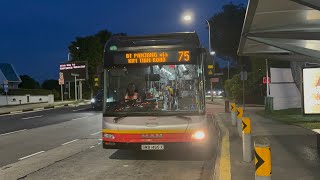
x: 65, y: 144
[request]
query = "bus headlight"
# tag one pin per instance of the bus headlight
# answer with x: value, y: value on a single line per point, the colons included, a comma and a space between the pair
x: 198, y: 135
x: 108, y: 136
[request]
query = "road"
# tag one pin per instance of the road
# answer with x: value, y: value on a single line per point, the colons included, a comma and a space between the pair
x: 28, y: 133
x: 65, y: 144
x: 29, y: 120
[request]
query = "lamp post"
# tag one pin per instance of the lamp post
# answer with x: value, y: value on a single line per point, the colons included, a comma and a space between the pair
x: 188, y: 18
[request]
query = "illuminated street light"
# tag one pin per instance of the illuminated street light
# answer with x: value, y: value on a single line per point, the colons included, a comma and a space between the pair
x: 187, y: 18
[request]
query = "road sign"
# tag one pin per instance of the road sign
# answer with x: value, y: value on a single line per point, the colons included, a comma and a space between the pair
x: 210, y: 66
x: 61, y: 75
x: 239, y: 112
x: 262, y: 159
x: 243, y: 75
x: 246, y: 125
x: 218, y: 74
x: 214, y: 80
x: 6, y: 88
x: 73, y: 74
x: 233, y: 107
x: 210, y: 72
x: 79, y: 67
x: 61, y: 81
x: 266, y: 80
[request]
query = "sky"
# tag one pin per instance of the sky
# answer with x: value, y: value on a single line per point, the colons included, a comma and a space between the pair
x: 35, y: 34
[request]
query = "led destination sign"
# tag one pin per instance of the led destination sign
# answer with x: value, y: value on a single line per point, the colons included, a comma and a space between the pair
x: 174, y: 57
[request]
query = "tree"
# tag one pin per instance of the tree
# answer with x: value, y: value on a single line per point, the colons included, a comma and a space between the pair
x: 90, y: 49
x: 28, y: 82
x: 51, y: 84
x: 226, y: 28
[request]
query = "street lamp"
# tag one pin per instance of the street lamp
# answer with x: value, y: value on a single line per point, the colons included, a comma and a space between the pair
x: 68, y: 56
x: 188, y: 18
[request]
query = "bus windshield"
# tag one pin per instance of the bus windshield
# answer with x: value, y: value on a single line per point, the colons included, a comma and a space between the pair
x: 154, y: 89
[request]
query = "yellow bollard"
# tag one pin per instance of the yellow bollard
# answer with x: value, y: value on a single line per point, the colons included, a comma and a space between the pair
x: 233, y: 114
x: 246, y: 140
x: 239, y: 121
x: 262, y: 159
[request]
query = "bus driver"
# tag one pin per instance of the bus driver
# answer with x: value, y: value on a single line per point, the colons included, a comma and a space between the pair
x: 131, y: 93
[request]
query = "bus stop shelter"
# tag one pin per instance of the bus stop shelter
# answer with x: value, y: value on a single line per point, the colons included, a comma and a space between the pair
x: 282, y: 29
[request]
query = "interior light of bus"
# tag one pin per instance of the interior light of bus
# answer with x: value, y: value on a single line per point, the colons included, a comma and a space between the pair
x: 183, y: 67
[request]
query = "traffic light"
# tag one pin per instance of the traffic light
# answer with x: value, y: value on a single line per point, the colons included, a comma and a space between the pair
x: 96, y: 82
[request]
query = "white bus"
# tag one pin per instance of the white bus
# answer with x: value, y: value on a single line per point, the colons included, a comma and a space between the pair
x: 154, y: 95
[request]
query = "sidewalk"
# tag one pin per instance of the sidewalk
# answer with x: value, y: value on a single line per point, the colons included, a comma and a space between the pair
x: 39, y: 106
x: 294, y: 151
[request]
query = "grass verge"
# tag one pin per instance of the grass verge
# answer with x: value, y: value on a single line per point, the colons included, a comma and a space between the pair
x: 294, y: 117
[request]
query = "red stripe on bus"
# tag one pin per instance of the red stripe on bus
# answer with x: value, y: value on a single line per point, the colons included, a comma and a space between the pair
x: 138, y: 138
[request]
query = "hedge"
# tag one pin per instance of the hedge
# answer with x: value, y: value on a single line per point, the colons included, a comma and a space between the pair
x: 253, y: 92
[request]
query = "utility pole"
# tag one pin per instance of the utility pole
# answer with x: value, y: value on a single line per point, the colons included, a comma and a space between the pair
x: 80, y: 90
x: 267, y: 73
x: 228, y: 69
x: 75, y: 85
x: 69, y: 91
x: 243, y: 77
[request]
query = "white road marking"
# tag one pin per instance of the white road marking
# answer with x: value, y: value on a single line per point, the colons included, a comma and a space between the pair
x: 32, y: 117
x: 92, y: 147
x: 99, y: 143
x: 69, y: 142
x: 100, y: 139
x: 38, y: 109
x: 12, y: 132
x: 79, y: 118
x: 125, y: 165
x: 95, y: 133
x: 316, y: 130
x: 78, y: 109
x: 31, y: 155
x: 18, y: 112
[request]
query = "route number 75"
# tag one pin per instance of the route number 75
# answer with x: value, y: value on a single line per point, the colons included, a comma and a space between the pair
x: 184, y: 56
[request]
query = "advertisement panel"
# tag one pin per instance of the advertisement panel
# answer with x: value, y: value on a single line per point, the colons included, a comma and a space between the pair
x: 69, y: 68
x: 311, y: 90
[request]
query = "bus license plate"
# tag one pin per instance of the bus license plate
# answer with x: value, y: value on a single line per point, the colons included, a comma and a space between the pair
x: 150, y: 147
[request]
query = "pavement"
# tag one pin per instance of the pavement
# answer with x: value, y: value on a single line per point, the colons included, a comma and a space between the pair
x: 294, y: 150
x: 38, y: 106
x: 65, y: 143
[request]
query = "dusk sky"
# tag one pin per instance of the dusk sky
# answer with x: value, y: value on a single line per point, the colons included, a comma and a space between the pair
x: 35, y: 34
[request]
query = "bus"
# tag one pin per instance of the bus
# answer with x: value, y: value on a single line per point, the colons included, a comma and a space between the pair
x: 154, y: 93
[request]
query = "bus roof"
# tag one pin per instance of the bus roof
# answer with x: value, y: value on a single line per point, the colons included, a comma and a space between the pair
x: 174, y: 40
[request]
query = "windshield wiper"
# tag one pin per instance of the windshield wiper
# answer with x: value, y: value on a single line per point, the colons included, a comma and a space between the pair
x: 116, y: 119
x: 184, y: 118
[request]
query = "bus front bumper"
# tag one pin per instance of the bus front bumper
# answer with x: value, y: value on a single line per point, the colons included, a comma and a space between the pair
x: 166, y: 145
